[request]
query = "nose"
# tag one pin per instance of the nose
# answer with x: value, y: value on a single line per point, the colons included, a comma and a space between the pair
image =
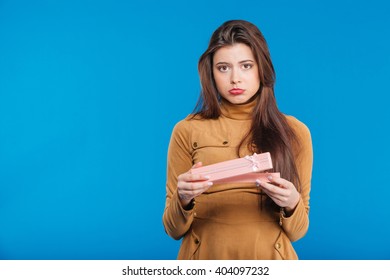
x: 235, y: 77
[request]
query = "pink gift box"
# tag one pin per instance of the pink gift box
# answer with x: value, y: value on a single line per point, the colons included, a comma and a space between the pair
x: 221, y: 171
x: 249, y: 178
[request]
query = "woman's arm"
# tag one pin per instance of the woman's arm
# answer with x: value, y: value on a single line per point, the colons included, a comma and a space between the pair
x: 294, y: 214
x: 181, y: 186
x: 297, y: 224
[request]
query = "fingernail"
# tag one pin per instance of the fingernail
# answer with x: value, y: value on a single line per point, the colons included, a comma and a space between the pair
x: 258, y: 183
x: 269, y: 177
x: 207, y: 177
x: 210, y: 183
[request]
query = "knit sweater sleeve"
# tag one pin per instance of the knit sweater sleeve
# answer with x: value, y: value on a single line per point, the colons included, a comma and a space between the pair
x: 296, y: 225
x: 176, y: 219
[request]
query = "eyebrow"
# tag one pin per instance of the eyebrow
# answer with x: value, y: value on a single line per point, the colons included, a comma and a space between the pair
x: 240, y: 62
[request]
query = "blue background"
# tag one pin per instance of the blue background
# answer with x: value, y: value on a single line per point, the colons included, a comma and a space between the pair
x: 90, y: 92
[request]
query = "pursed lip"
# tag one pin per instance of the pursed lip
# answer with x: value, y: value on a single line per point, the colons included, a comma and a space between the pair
x: 236, y: 91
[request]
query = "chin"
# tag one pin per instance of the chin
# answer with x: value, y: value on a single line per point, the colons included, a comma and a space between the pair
x: 238, y: 101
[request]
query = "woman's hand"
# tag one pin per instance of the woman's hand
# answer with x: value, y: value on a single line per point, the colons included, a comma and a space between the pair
x: 281, y: 191
x: 190, y: 185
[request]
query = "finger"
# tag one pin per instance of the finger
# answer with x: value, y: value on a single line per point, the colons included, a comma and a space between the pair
x: 188, y: 177
x: 197, y: 165
x: 271, y: 188
x: 279, y: 181
x: 190, y: 191
x: 276, y: 199
x: 195, y: 186
x: 274, y: 196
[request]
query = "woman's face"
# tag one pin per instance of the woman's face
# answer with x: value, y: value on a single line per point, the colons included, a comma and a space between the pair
x: 236, y: 73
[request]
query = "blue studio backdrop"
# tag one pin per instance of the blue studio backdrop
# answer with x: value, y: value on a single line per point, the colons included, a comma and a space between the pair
x: 90, y: 92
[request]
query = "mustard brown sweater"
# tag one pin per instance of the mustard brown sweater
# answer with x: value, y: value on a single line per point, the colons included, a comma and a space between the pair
x: 231, y: 221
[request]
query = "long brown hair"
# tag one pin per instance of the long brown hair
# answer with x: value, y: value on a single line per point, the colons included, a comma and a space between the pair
x: 269, y: 131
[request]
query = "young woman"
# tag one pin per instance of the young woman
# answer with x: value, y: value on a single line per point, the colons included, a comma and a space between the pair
x: 237, y: 115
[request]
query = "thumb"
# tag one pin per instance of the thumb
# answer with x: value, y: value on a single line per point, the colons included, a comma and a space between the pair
x: 198, y: 164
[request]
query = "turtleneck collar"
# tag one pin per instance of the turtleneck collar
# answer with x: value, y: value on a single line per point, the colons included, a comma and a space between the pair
x: 237, y: 111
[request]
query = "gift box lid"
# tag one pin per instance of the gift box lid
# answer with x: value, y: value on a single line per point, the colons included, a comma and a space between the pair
x: 230, y: 168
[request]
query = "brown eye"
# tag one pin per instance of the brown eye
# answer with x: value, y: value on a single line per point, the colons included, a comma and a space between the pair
x: 223, y: 68
x: 247, y: 66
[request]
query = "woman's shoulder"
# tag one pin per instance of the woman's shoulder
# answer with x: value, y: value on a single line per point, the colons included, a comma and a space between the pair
x: 193, y: 123
x: 190, y: 120
x: 184, y: 125
x: 297, y: 125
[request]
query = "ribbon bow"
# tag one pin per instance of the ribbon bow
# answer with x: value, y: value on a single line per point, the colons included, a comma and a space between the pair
x: 255, y: 166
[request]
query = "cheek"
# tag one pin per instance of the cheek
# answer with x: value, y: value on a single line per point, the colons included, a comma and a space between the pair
x: 220, y: 81
x: 255, y: 81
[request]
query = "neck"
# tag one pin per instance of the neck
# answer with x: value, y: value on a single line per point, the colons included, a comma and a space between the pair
x: 238, y: 111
